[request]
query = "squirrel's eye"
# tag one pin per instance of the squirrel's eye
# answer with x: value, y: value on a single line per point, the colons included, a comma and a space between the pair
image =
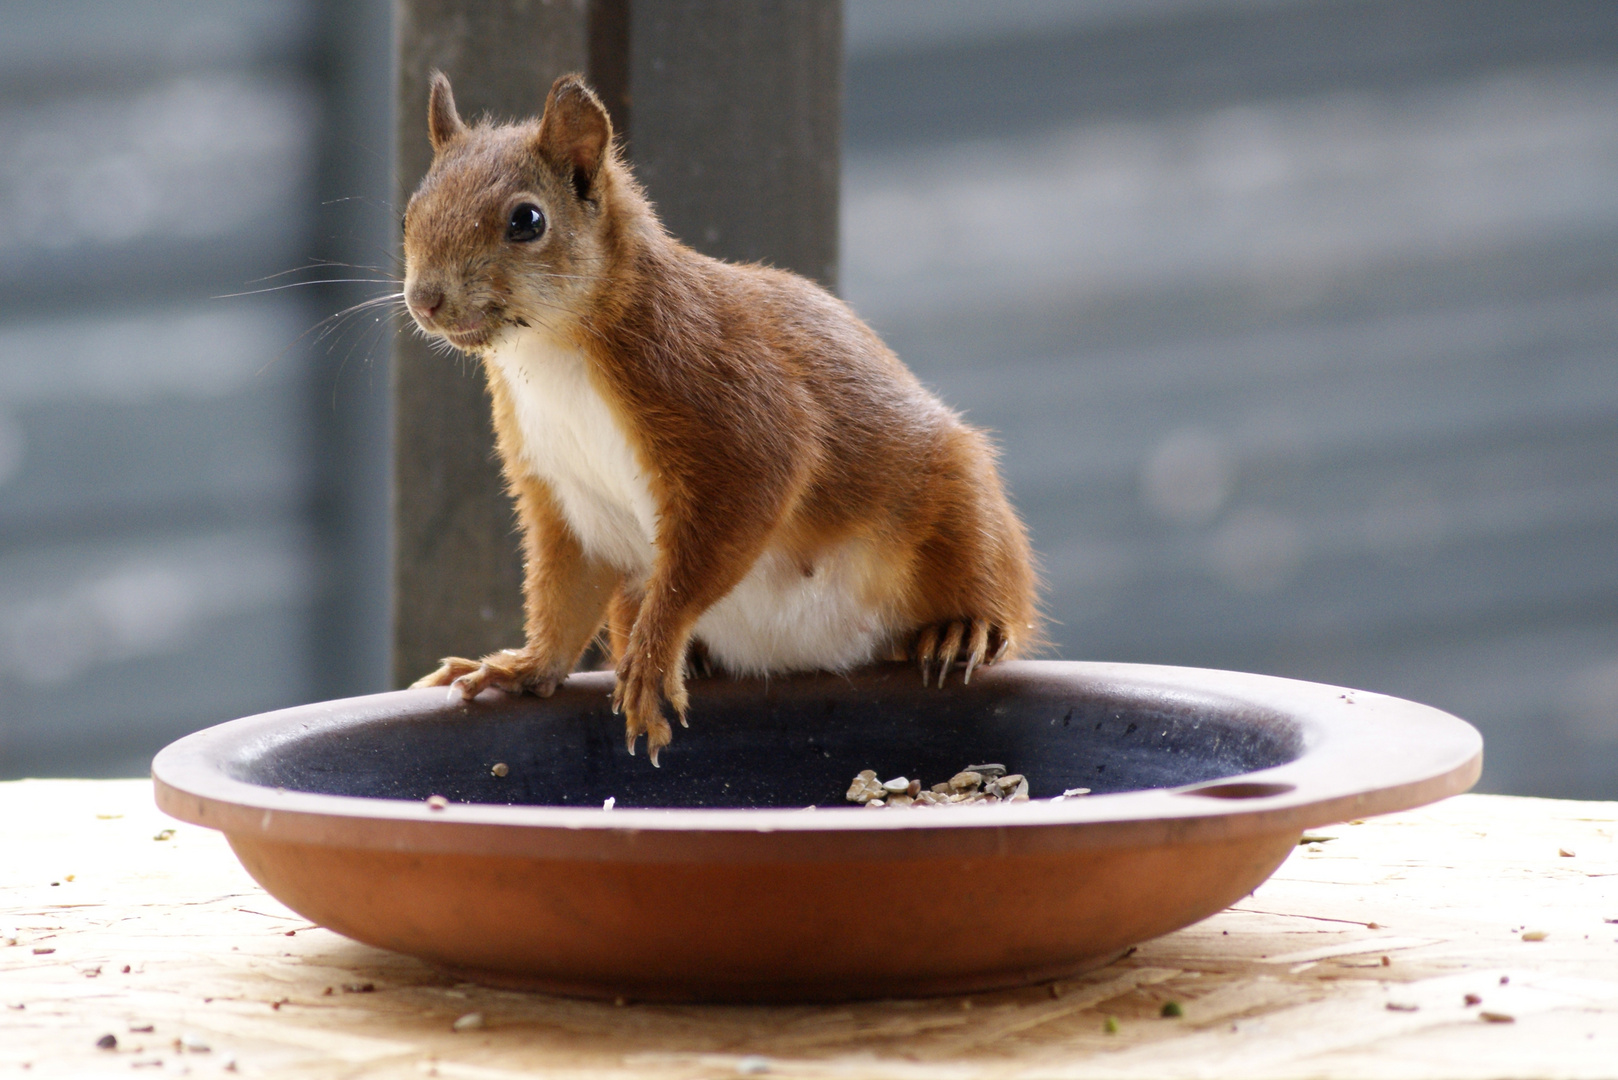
x: 527, y: 223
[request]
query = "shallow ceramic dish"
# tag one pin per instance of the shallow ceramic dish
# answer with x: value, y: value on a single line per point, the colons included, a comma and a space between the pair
x: 709, y: 880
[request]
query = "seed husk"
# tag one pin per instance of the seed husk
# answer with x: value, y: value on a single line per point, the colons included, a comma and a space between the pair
x: 979, y: 784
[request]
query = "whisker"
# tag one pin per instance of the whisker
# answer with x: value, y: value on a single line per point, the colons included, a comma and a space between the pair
x: 302, y: 284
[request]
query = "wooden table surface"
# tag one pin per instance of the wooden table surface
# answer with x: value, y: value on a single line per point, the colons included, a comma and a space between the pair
x: 1355, y: 960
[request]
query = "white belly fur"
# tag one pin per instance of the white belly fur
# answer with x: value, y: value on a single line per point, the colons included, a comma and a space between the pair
x: 775, y: 620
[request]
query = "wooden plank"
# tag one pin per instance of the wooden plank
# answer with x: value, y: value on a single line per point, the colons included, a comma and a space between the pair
x: 1450, y: 890
x: 736, y: 126
x: 457, y: 571
x: 732, y: 119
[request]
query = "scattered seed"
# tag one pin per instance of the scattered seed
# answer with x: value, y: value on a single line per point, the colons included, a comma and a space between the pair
x: 359, y: 988
x: 1497, y: 1018
x: 43, y: 950
x: 1473, y: 999
x: 1402, y: 1006
x: 978, y: 784
x: 1564, y: 853
x: 437, y: 802
x: 500, y: 768
x: 1311, y: 838
x: 753, y: 1065
x: 292, y: 933
x: 1373, y: 926
x: 1171, y: 1010
x: 1535, y: 935
x: 1074, y: 792
x: 1504, y: 979
x: 141, y: 1029
x: 166, y: 834
x: 108, y: 817
x: 328, y: 992
x: 125, y: 970
x: 69, y: 877
x: 468, y: 1022
x: 609, y: 802
x: 1110, y: 1025
x: 194, y: 1044
x: 107, y: 1042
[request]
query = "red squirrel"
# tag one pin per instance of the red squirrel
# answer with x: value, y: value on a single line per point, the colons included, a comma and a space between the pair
x: 710, y: 461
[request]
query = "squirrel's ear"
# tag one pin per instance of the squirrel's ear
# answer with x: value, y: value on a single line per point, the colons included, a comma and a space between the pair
x: 575, y: 133
x: 443, y: 122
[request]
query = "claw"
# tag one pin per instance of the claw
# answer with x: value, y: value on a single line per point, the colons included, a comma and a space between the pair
x: 651, y: 752
x: 948, y: 651
x: 629, y: 740
x: 1000, y: 649
x: 926, y: 645
x: 976, y: 650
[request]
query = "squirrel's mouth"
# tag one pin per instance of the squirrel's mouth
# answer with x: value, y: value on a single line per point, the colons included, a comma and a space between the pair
x: 467, y: 339
x: 468, y: 334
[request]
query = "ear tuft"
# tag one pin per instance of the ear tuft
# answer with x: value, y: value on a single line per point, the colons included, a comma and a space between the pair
x: 575, y: 133
x: 443, y: 122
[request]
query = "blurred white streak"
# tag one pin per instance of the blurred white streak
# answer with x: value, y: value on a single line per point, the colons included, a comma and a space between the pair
x: 196, y: 158
x: 1281, y: 194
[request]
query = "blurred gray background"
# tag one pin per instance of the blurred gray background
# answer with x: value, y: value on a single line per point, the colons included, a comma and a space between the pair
x: 1297, y: 321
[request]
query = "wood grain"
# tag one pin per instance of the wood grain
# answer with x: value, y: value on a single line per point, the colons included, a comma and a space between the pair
x: 1289, y: 982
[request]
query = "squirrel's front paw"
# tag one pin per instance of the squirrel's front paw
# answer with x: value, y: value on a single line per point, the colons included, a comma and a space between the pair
x: 516, y: 671
x: 942, y: 643
x: 638, y: 694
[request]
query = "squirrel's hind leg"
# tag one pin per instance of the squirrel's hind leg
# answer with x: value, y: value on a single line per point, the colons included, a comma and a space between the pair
x: 942, y: 643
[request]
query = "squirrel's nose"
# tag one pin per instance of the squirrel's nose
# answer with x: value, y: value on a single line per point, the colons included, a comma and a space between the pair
x: 424, y: 300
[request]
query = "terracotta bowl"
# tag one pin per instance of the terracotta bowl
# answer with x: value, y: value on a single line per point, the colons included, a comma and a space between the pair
x: 712, y: 880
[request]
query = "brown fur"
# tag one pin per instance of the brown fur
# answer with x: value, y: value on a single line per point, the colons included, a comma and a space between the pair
x: 762, y: 410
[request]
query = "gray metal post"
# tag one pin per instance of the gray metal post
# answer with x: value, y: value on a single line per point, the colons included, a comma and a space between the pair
x: 731, y: 113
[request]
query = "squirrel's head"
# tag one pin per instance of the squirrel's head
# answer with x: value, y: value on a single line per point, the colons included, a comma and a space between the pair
x: 508, y: 226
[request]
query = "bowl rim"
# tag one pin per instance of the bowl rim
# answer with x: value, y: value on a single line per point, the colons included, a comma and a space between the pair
x: 1363, y: 753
